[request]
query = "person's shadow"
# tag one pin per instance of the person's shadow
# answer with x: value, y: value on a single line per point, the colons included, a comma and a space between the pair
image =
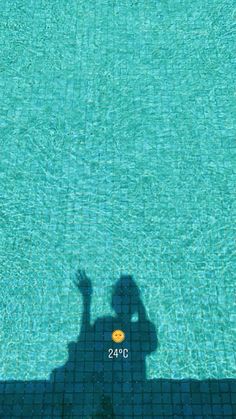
x: 107, y: 379
x: 109, y: 372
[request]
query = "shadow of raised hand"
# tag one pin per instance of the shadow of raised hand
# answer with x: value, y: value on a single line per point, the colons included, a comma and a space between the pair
x: 83, y: 283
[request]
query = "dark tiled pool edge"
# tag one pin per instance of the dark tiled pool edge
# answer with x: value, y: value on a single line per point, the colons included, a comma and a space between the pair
x: 153, y: 399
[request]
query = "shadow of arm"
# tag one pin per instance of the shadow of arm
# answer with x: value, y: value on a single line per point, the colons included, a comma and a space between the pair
x: 148, y: 327
x: 85, y: 287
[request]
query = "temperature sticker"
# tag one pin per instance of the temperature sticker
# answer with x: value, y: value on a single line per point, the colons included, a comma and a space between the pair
x: 115, y: 353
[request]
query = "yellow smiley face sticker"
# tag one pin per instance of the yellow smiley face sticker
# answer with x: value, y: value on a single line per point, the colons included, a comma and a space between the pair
x: 118, y: 336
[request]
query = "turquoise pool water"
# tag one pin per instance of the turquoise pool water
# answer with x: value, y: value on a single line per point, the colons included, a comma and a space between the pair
x: 117, y: 155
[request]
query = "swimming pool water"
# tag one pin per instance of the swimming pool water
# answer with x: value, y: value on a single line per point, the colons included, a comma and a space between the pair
x: 117, y: 156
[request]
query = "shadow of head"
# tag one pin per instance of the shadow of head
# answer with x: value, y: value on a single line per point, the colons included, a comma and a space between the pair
x: 125, y: 296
